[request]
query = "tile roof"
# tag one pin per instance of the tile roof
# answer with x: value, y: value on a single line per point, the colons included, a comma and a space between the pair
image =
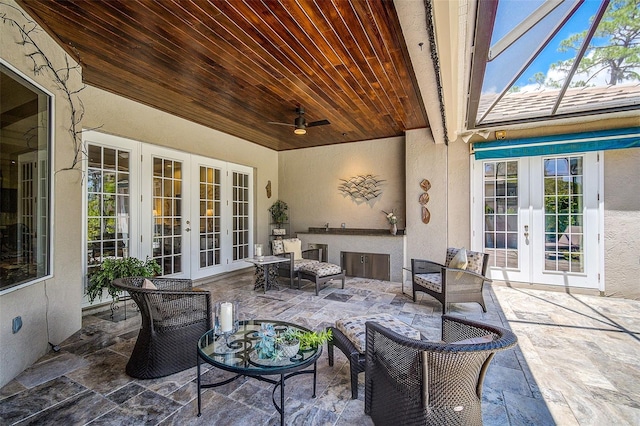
x: 538, y: 104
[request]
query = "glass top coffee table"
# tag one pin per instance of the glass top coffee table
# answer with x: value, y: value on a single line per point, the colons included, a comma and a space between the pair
x: 236, y: 353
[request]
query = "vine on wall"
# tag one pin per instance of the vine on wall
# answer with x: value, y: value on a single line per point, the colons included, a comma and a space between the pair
x: 61, y: 76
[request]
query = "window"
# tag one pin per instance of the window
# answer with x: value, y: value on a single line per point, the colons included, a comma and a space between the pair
x: 25, y: 138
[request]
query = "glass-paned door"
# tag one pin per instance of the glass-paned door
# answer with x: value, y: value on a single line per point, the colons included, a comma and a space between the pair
x: 107, y: 204
x: 168, y: 217
x: 533, y: 217
x: 563, y: 214
x: 501, y: 209
x: 210, y: 216
x: 242, y: 238
x: 224, y: 211
x: 209, y: 246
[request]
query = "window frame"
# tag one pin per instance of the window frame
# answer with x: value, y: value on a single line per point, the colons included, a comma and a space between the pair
x: 51, y: 124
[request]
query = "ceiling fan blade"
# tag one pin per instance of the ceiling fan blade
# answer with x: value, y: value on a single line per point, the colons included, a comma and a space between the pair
x: 281, y: 124
x: 318, y: 123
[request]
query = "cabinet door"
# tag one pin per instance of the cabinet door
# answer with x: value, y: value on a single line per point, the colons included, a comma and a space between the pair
x: 353, y: 263
x: 378, y: 266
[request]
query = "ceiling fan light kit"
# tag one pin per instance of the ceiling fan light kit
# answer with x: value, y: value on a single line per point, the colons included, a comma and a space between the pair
x: 300, y: 123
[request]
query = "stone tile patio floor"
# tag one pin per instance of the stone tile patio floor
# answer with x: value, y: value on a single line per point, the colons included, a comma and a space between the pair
x: 576, y: 363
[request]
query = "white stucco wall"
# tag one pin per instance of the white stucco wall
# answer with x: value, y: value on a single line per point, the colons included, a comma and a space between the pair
x: 50, y: 309
x: 446, y: 167
x: 622, y: 223
x: 309, y: 180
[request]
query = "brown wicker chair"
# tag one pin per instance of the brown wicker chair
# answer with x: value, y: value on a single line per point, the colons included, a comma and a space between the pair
x: 451, y: 285
x: 415, y: 382
x: 174, y: 317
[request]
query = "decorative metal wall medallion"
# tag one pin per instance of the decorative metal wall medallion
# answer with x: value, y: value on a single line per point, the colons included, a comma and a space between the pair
x: 361, y: 187
x: 424, y: 199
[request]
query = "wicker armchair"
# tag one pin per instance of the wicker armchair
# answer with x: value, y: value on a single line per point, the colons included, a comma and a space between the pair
x: 174, y: 317
x: 415, y: 382
x: 451, y: 285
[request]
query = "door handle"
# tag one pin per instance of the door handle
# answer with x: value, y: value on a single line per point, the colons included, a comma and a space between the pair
x: 361, y: 259
x: 526, y: 231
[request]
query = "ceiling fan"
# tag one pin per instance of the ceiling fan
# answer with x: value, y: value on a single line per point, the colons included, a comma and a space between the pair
x: 300, y: 123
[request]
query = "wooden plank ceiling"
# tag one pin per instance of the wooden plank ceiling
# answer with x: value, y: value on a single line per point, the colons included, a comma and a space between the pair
x: 237, y: 65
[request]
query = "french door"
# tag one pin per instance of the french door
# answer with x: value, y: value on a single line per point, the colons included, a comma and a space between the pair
x: 539, y: 218
x: 222, y: 211
x: 193, y: 215
x: 164, y: 214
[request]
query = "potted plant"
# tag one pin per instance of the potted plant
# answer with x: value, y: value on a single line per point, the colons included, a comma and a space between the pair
x: 313, y: 339
x: 276, y: 342
x: 278, y: 212
x: 288, y: 342
x: 266, y: 344
x: 120, y: 267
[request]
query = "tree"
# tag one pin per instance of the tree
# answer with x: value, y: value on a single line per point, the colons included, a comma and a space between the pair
x: 620, y: 56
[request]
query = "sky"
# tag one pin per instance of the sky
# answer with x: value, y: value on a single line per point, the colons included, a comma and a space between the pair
x: 512, y: 12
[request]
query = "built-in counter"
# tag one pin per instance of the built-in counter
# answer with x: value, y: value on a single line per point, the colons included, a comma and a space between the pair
x: 379, y: 241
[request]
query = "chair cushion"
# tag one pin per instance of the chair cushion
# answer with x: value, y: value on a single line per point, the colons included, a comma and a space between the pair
x: 321, y: 269
x: 277, y: 247
x: 293, y: 245
x: 300, y: 262
x: 475, y: 260
x: 354, y: 329
x: 459, y: 261
x: 148, y: 284
x: 474, y: 340
x: 431, y: 281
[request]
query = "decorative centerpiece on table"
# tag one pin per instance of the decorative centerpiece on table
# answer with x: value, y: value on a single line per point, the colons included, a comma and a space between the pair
x: 393, y: 221
x: 276, y: 343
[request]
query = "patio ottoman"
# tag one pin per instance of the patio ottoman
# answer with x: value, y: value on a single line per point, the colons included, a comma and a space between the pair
x: 320, y: 273
x: 349, y: 335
